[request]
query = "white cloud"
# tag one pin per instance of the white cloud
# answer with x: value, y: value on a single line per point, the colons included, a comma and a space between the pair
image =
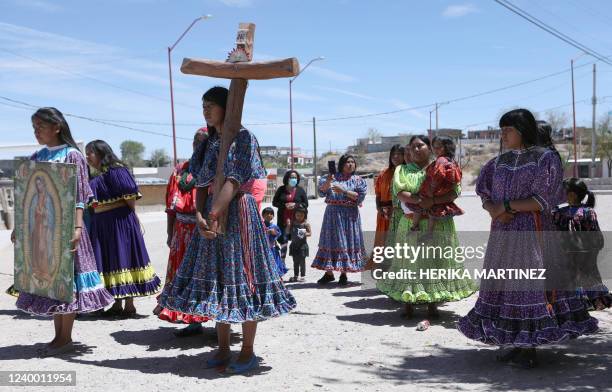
x: 329, y: 74
x: 458, y: 11
x: 345, y: 92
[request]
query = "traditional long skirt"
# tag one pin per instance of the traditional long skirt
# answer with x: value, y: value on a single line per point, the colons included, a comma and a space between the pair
x: 233, y: 277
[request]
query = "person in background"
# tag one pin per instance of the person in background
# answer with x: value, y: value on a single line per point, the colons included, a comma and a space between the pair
x: 300, y: 231
x: 181, y: 223
x: 286, y: 199
x: 341, y: 246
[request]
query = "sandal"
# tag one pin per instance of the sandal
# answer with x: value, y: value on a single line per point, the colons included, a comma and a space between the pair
x: 189, y: 331
x: 239, y: 368
x: 326, y: 278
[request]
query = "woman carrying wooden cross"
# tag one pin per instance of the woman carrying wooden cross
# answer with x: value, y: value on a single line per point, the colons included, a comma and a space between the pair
x: 229, y: 276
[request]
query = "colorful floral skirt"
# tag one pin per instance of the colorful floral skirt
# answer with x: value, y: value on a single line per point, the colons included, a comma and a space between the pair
x: 121, y: 254
x: 233, y: 277
x: 341, y: 246
x: 183, y: 231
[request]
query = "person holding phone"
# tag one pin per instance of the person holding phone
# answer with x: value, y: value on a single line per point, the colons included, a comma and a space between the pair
x: 341, y: 246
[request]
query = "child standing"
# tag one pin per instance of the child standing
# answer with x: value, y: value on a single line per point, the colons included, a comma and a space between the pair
x: 582, y: 243
x: 300, y: 231
x: 441, y: 177
x: 274, y: 232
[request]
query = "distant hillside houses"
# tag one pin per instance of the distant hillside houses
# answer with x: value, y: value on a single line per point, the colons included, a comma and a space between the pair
x: 299, y: 157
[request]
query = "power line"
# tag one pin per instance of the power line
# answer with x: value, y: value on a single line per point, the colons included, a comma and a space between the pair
x: 61, y: 69
x: 551, y: 30
x: 377, y: 114
x: 27, y: 106
x: 586, y: 100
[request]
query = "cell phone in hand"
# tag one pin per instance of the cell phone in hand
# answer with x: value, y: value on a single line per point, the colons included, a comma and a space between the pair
x: 331, y: 166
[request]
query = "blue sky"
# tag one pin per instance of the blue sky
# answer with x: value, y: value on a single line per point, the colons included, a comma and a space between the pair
x: 107, y: 60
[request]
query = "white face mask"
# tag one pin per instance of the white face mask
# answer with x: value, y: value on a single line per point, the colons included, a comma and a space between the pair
x: 293, y: 182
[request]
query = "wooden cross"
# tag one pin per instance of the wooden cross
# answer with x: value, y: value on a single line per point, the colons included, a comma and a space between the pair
x: 239, y: 68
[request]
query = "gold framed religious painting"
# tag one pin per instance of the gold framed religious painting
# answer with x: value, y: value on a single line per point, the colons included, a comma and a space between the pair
x: 45, y: 197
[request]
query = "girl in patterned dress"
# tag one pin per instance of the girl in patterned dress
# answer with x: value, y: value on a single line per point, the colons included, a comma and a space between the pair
x: 581, y: 242
x: 229, y: 276
x: 341, y: 246
x: 121, y: 254
x: 52, y: 130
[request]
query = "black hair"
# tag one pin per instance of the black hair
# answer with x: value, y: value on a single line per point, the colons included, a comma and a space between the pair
x: 302, y: 209
x: 267, y: 210
x: 581, y: 190
x: 217, y: 95
x: 395, y: 149
x: 545, y: 138
x: 105, y: 153
x: 423, y: 138
x: 53, y: 116
x: 447, y: 144
x: 524, y: 122
x: 342, y: 162
x: 288, y: 175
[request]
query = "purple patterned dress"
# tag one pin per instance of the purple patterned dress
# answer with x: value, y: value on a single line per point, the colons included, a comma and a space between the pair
x: 116, y: 237
x: 232, y: 278
x: 90, y: 294
x: 341, y: 246
x: 582, y: 242
x: 519, y: 312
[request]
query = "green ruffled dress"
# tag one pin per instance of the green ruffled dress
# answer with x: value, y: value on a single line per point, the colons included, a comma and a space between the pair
x: 409, y: 177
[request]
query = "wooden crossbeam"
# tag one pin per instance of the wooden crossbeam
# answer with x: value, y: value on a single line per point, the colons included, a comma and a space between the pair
x: 259, y: 71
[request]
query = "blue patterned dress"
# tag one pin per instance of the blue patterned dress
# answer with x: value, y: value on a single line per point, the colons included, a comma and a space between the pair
x: 90, y: 294
x: 517, y: 312
x: 233, y: 277
x: 341, y: 246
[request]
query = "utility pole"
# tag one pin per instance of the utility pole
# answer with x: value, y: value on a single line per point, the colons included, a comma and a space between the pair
x: 436, y: 118
x: 594, y: 130
x: 314, y: 138
x: 574, y: 121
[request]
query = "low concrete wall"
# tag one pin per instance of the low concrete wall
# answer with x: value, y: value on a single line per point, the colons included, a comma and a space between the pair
x: 152, y: 195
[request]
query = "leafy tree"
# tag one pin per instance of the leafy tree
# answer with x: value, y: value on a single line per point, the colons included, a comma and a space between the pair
x: 159, y: 158
x: 131, y: 153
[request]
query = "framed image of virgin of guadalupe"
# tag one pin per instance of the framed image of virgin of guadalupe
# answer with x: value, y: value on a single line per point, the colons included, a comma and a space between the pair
x: 45, y: 199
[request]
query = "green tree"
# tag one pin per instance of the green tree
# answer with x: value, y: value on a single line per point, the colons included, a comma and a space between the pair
x: 159, y: 158
x: 131, y: 153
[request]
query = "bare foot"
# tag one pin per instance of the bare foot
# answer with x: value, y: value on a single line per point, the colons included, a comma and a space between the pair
x: 60, y: 342
x: 245, y: 355
x: 222, y: 354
